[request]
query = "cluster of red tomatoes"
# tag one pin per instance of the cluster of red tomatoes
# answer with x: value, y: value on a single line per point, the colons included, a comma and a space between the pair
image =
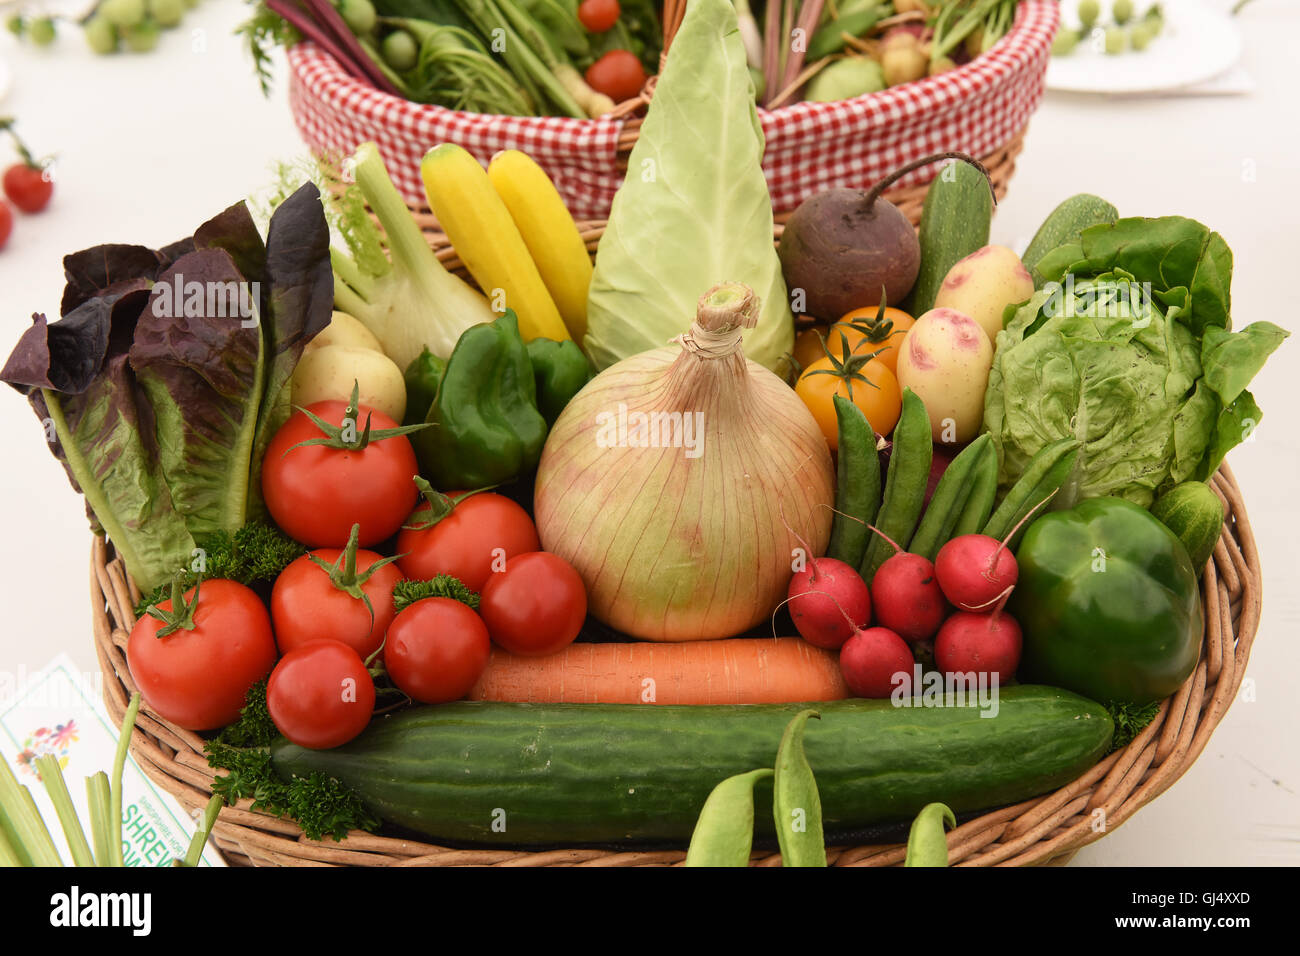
x: 332, y: 623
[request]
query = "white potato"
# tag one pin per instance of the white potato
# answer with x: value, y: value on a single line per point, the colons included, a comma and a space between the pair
x: 983, y: 284
x: 945, y: 359
x: 347, y: 331
x: 328, y: 372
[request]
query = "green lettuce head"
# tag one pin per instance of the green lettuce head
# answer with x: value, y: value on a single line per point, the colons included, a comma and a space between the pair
x: 1130, y: 350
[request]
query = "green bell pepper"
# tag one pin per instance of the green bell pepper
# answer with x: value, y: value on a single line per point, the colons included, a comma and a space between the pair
x: 422, y: 377
x: 487, y: 429
x: 1108, y: 602
x: 561, y: 370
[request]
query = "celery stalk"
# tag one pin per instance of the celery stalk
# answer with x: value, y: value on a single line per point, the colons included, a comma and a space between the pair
x: 201, y: 834
x: 25, y: 829
x: 52, y: 776
x: 97, y: 793
x: 115, y: 791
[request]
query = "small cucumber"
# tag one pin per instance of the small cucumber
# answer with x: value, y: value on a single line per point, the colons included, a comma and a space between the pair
x: 1065, y: 225
x: 1193, y: 512
x: 954, y: 223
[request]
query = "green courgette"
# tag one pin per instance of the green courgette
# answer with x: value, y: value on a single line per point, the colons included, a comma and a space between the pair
x: 610, y: 774
x: 1065, y: 225
x: 954, y: 223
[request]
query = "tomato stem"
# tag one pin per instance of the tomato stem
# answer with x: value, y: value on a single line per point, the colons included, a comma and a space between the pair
x: 181, y: 616
x: 345, y: 435
x: 343, y: 572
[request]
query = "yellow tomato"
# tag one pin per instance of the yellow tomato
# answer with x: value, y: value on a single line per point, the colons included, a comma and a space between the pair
x: 808, y: 346
x: 859, y: 328
x: 879, y: 396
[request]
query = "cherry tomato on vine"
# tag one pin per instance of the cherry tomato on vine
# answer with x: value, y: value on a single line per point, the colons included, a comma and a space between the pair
x: 309, y: 602
x: 316, y: 493
x: 198, y: 674
x: 481, y: 531
x: 28, y: 187
x: 599, y: 15
x: 859, y: 328
x: 618, y: 74
x: 536, y: 606
x: 436, y: 650
x: 320, y: 695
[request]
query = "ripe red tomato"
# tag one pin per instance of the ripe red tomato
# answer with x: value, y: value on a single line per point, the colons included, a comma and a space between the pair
x: 618, y: 74
x: 316, y: 493
x: 436, y: 650
x: 482, y: 530
x: 28, y: 186
x: 6, y: 222
x: 198, y: 678
x: 320, y: 695
x: 536, y: 606
x: 598, y: 15
x: 306, y: 606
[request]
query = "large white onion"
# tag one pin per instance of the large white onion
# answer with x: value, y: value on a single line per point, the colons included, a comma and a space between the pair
x: 675, y: 543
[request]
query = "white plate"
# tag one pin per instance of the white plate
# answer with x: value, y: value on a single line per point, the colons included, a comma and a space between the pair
x: 1197, y: 43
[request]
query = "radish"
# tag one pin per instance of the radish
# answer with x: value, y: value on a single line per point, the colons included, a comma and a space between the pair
x: 908, y: 598
x: 985, y: 643
x: 829, y: 602
x: 871, y: 658
x: 974, y: 570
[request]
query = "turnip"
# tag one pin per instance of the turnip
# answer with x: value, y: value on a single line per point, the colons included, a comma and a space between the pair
x: 975, y: 570
x: 828, y: 602
x: 871, y: 659
x: 987, y: 643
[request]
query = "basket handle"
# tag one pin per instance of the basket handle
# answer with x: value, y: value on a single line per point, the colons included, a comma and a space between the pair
x: 674, y: 12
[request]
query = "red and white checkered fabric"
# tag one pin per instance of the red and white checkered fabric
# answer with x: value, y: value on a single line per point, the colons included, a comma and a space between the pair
x: 975, y: 108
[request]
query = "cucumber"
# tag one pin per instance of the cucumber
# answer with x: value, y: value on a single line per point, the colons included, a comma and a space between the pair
x: 1065, y: 225
x: 954, y: 223
x: 1193, y: 512
x: 623, y: 774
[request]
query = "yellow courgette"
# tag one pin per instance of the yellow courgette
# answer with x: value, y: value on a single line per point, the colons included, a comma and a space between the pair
x: 478, y: 224
x: 549, y: 232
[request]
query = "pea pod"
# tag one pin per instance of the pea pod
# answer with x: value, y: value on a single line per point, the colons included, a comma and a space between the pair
x: 1046, y: 473
x: 983, y: 492
x: 948, y: 501
x: 857, y: 484
x: 909, y: 469
x: 926, y: 843
x: 796, y: 804
x: 724, y: 833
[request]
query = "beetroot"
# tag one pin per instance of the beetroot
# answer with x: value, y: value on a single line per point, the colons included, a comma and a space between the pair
x: 871, y: 659
x: 828, y: 602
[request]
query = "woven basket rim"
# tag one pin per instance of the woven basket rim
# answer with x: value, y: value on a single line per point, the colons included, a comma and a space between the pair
x: 1044, y: 830
x: 327, y: 80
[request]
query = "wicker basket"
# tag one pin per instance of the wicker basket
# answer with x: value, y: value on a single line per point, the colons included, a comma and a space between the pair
x: 1047, y: 829
x: 981, y: 108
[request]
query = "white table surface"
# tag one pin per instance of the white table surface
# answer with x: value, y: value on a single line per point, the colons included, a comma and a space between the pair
x: 151, y: 145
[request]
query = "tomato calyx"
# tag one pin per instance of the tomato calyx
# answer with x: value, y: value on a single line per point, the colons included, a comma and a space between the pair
x: 875, y: 330
x: 25, y: 154
x: 181, y: 616
x: 343, y: 573
x: 440, y: 505
x: 848, y: 366
x: 345, y: 436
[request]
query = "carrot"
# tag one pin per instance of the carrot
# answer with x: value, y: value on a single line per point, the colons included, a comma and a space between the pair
x: 735, y: 671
